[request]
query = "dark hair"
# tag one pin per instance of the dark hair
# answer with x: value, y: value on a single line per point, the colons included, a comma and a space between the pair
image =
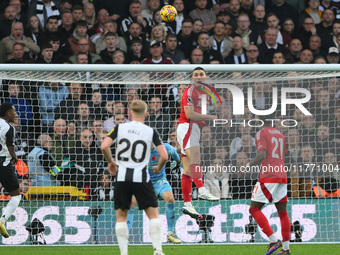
x: 110, y: 34
x: 52, y: 17
x: 4, y: 108
x: 54, y: 37
x: 46, y: 45
x: 187, y: 20
x: 77, y: 7
x: 199, y: 68
x: 81, y: 23
x: 170, y: 35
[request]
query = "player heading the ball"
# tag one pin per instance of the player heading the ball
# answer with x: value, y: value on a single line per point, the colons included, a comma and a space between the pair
x: 191, y: 120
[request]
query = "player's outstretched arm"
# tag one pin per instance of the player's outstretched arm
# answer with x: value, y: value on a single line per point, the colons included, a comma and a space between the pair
x: 192, y: 115
x: 163, y: 158
x: 105, y: 147
x: 261, y: 155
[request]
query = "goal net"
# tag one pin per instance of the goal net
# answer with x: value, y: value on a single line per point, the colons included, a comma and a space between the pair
x: 65, y: 112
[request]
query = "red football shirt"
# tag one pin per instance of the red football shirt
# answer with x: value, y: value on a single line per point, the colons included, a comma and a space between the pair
x: 272, y: 167
x: 192, y: 96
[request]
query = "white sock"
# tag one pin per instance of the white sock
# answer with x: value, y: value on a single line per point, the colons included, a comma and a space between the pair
x: 202, y: 191
x: 273, y: 238
x: 122, y: 236
x: 187, y: 204
x: 11, y: 207
x: 155, y: 231
x: 285, y: 245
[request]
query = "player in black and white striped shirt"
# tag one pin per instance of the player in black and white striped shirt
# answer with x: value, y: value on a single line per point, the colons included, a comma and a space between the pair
x: 134, y: 141
x: 8, y: 177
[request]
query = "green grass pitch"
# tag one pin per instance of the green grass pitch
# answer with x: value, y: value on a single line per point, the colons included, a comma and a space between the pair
x: 253, y: 249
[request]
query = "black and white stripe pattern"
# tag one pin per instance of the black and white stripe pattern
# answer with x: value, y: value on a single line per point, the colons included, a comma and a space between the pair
x: 41, y: 15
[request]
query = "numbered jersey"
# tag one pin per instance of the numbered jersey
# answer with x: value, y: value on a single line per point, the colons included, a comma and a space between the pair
x: 272, y: 167
x: 133, y: 147
x: 7, y: 134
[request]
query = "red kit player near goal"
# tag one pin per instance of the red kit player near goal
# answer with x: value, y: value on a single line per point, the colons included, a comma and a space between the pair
x: 188, y: 135
x: 272, y: 184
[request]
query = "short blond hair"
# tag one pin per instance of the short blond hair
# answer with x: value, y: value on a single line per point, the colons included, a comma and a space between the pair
x: 138, y: 108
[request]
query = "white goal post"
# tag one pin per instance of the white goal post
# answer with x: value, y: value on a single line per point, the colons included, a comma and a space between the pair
x: 63, y: 102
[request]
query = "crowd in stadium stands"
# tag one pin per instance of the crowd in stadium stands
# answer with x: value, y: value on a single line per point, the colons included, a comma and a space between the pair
x: 62, y: 125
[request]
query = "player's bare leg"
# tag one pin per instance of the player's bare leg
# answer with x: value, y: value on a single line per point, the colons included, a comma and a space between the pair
x: 169, y: 199
x: 262, y: 221
x: 122, y: 231
x: 155, y: 229
x: 8, y: 211
x: 285, y: 226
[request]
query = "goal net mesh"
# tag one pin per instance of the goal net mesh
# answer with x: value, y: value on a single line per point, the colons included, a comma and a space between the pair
x: 64, y: 117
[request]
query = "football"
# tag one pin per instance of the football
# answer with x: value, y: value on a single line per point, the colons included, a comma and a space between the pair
x: 168, y: 13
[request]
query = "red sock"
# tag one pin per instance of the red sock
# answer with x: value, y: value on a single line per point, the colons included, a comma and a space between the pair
x: 186, y: 186
x: 261, y: 221
x: 195, y: 171
x: 285, y: 226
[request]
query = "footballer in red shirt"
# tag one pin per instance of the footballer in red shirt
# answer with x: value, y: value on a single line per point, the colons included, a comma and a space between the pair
x: 190, y: 122
x: 272, y: 184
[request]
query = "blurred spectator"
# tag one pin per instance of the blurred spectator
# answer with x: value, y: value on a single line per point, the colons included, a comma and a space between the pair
x: 110, y: 26
x: 333, y: 55
x: 87, y: 157
x: 58, y: 51
x: 105, y: 189
x: 324, y: 110
x: 324, y: 142
x: 68, y: 107
x: 306, y: 30
x: 98, y: 28
x: 41, y: 164
x: 289, y: 26
x: 177, y: 23
x: 284, y: 10
x: 208, y: 52
x: 186, y: 38
x: 84, y: 118
x: 197, y: 27
x: 118, y: 57
x: 247, y: 7
x: 17, y: 52
x: 21, y: 12
x: 293, y: 146
x: 96, y: 105
x: 242, y: 181
x: 207, y: 16
x: 247, y: 146
x: 46, y: 55
x: 65, y: 6
x: 171, y: 50
x: 80, y: 33
x: 196, y: 56
x: 118, y: 109
x: 67, y: 26
x: 101, y: 137
x: 252, y: 54
x: 306, y: 57
x: 22, y: 107
x: 219, y: 41
x: 145, y: 90
x: 21, y: 144
x: 236, y: 143
x: 77, y: 12
x: 308, y: 129
x: 301, y: 178
x: 153, y: 5
x: 61, y: 142
x: 320, y: 60
x: 158, y: 33
x: 278, y: 58
x: 135, y: 11
x: 324, y: 28
x: 97, y: 128
x: 24, y: 185
x: 315, y: 47
x: 156, y: 56
x: 136, y: 50
x: 35, y: 30
x: 216, y: 180
x: 259, y: 25
x: 50, y: 96
x: 89, y: 14
x: 157, y: 118
x: 208, y: 145
x: 110, y: 41
x: 312, y: 10
x: 43, y: 9
x: 234, y: 11
x: 17, y: 36
x: 248, y: 36
x: 269, y: 47
x: 10, y: 16
x: 295, y: 51
x: 117, y: 9
x: 237, y: 54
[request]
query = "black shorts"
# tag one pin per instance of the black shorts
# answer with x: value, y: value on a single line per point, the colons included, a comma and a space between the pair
x: 8, y: 178
x: 144, y: 193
